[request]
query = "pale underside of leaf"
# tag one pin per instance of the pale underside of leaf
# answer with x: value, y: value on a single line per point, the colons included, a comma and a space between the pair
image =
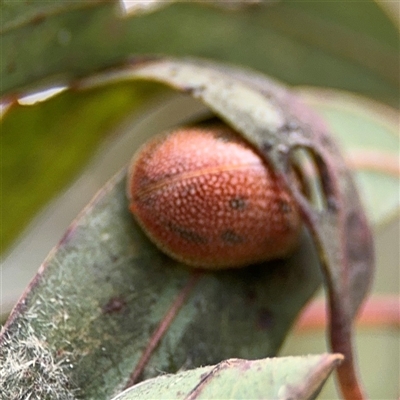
x: 276, y: 378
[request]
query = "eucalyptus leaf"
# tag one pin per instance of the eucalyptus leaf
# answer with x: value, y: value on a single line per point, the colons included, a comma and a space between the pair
x: 16, y: 14
x: 279, y: 124
x: 318, y: 43
x: 102, y: 293
x: 364, y: 128
x: 275, y: 378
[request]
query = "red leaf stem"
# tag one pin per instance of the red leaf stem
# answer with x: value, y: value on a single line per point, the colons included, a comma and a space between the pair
x: 378, y: 312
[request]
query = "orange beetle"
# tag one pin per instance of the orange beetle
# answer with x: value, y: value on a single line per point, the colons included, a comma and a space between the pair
x: 206, y: 198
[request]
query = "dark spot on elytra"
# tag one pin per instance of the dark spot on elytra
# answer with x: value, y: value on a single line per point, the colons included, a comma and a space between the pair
x: 265, y: 319
x: 231, y: 237
x: 187, y: 234
x: 238, y: 203
x: 114, y: 305
x: 287, y: 226
x: 284, y: 206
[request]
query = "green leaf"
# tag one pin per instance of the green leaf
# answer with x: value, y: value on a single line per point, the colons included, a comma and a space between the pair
x: 276, y: 378
x: 103, y: 292
x: 316, y: 43
x: 46, y: 145
x: 279, y: 125
x: 365, y: 128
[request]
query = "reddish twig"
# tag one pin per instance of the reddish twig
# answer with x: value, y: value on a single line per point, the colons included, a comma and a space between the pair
x: 378, y: 311
x: 374, y: 160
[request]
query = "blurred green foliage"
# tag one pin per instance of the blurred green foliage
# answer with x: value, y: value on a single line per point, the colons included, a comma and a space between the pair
x: 46, y: 145
x: 349, y: 45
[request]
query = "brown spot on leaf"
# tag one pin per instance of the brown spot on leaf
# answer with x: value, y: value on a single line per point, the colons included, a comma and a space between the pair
x: 284, y: 206
x: 265, y: 319
x: 267, y: 146
x: 114, y: 305
x: 251, y: 295
x: 332, y: 204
